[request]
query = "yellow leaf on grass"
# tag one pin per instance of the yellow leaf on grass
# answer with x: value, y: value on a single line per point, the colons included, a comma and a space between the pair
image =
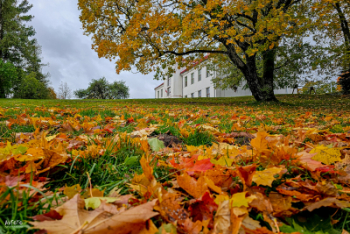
x: 32, y: 154
x: 71, y: 191
x: 326, y: 155
x: 221, y: 198
x: 238, y: 200
x: 223, y: 161
x: 50, y: 138
x: 267, y: 176
x: 260, y: 142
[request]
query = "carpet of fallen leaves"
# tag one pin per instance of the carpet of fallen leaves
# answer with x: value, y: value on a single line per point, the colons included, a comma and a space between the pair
x: 261, y: 166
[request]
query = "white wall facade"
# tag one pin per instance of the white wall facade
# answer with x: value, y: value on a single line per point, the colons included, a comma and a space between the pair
x: 172, y: 86
x: 160, y: 92
x: 202, y: 86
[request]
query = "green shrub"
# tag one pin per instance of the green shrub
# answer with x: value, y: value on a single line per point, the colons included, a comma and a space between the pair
x: 31, y: 88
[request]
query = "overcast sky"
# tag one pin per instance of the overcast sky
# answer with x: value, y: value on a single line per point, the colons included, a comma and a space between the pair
x: 68, y: 52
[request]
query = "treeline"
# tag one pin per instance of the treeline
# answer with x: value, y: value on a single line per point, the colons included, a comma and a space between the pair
x: 21, y: 73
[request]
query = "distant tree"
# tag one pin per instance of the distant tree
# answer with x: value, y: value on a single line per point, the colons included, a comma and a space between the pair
x: 52, y: 93
x: 101, y: 89
x: 98, y: 89
x: 81, y: 93
x: 118, y: 90
x: 8, y: 73
x: 319, y: 87
x: 18, y: 46
x: 31, y: 88
x: 64, y: 92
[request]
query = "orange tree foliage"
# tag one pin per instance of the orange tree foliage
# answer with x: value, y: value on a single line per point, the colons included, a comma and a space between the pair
x: 155, y: 34
x: 332, y: 19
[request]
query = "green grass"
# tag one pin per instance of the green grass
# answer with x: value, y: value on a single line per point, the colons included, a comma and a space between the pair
x: 114, y: 168
x: 107, y: 171
x: 199, y: 137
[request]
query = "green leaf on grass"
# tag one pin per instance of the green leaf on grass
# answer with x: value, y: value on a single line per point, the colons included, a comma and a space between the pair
x: 168, y: 228
x: 155, y: 144
x: 95, y: 202
x: 132, y: 161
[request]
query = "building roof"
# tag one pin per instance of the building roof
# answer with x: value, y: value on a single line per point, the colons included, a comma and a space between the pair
x: 196, y: 63
x: 159, y: 85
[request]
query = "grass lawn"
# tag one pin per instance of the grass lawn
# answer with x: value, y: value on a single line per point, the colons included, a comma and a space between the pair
x: 194, y: 165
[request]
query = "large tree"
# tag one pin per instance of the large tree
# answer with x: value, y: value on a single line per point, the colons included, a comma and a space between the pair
x: 17, y: 45
x: 332, y: 26
x: 154, y: 34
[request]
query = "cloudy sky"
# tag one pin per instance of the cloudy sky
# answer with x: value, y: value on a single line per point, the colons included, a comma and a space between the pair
x: 68, y: 52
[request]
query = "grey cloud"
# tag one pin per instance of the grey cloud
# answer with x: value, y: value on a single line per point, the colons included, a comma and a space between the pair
x: 69, y: 52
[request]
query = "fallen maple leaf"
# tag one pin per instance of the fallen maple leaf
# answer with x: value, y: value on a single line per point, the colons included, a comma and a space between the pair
x: 326, y: 155
x: 240, y: 199
x: 195, y: 188
x: 267, y: 176
x: 222, y: 222
x: 72, y: 190
x: 77, y: 219
x: 328, y: 202
x: 307, y: 162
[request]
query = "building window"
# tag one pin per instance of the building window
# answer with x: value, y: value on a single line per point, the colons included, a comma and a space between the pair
x: 199, y: 74
x: 168, y: 91
x: 208, y: 92
x: 200, y: 93
x: 208, y: 72
x: 169, y: 79
x: 158, y: 93
x: 192, y: 94
x: 161, y: 93
x: 185, y: 81
x: 192, y: 78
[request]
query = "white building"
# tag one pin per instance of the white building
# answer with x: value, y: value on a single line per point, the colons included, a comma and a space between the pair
x: 197, y: 82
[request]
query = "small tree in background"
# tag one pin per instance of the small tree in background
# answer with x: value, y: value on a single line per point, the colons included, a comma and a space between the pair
x: 31, y: 88
x: 52, y: 94
x: 81, y: 93
x: 320, y: 87
x: 8, y: 73
x: 101, y: 89
x: 118, y: 90
x: 64, y: 92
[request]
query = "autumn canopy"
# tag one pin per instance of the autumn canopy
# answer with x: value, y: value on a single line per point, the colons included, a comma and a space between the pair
x: 154, y: 34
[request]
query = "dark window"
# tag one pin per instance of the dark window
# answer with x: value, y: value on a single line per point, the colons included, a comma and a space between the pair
x: 208, y: 92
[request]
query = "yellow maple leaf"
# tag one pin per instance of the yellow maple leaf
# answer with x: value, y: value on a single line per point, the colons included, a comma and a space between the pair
x: 260, y: 142
x: 71, y: 191
x: 267, y: 176
x: 326, y: 155
x: 238, y: 200
x: 50, y: 138
x: 223, y: 161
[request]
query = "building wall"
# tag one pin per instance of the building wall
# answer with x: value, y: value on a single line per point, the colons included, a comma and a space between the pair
x: 178, y: 88
x: 241, y: 92
x: 202, y: 85
x: 174, y: 84
x: 159, y: 89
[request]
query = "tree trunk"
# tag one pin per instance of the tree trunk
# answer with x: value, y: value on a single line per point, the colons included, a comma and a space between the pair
x: 261, y: 87
x: 346, y: 32
x: 2, y: 90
